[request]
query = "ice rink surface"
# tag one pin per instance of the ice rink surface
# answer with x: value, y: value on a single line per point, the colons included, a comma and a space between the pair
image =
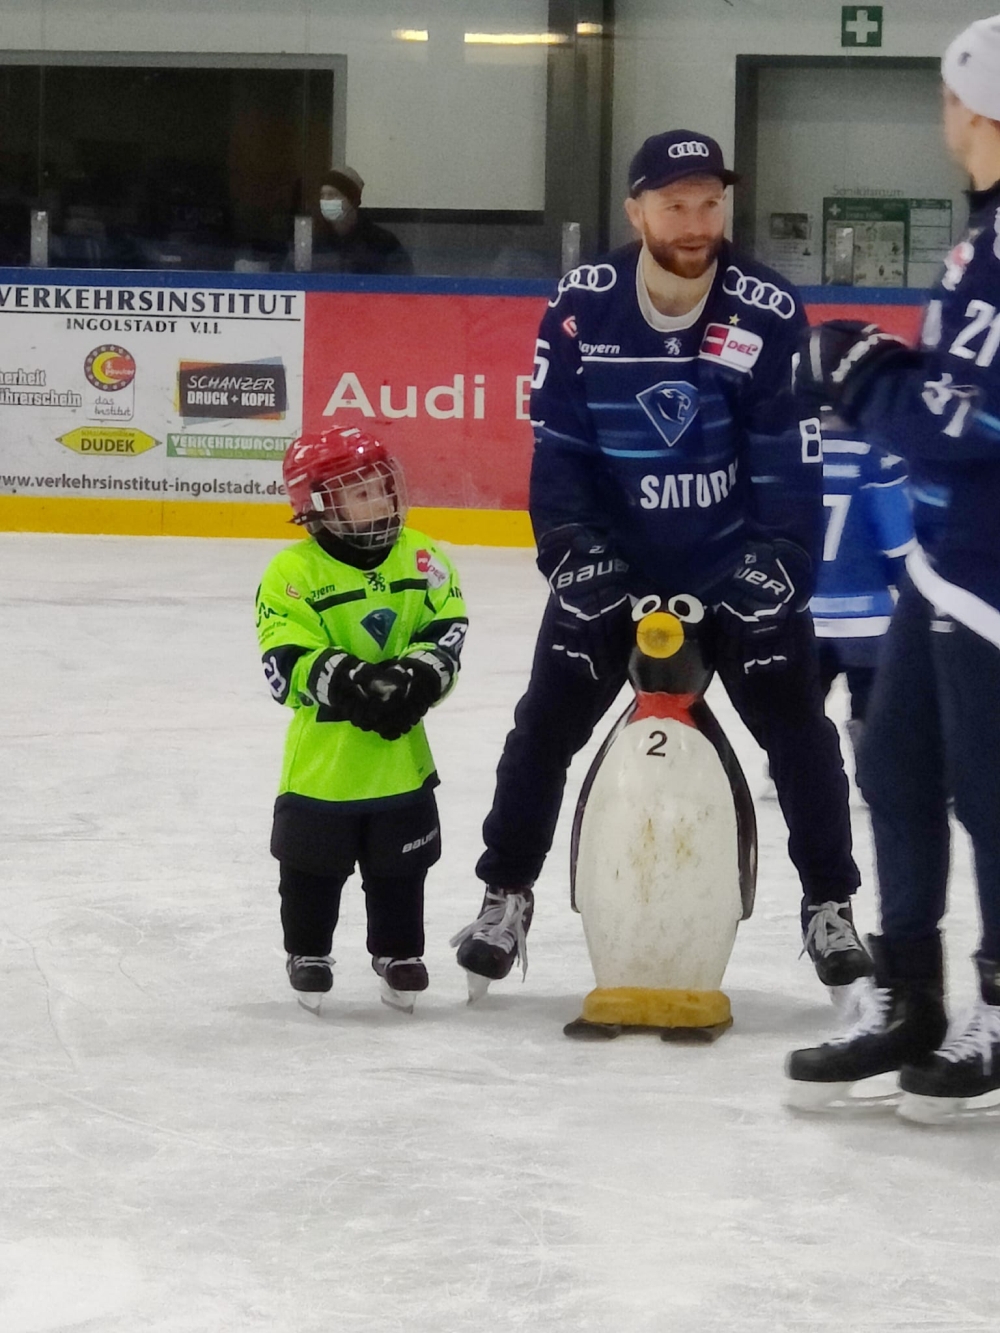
x: 185, y: 1150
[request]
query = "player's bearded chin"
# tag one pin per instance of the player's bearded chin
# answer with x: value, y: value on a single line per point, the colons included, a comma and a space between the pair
x: 685, y: 264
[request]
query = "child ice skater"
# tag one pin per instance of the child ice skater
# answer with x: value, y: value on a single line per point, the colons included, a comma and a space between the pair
x: 361, y: 628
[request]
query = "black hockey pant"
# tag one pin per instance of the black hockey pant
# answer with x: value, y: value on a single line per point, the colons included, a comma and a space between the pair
x: 783, y: 711
x: 933, y: 732
x: 393, y: 846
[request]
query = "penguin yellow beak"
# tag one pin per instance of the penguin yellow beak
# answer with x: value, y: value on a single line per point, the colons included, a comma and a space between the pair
x: 660, y: 635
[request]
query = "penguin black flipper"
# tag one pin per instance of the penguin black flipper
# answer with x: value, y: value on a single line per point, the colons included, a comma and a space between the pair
x: 581, y: 804
x: 746, y: 819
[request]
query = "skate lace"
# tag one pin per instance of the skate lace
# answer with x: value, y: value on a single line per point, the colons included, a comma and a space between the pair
x: 873, y: 1010
x: 500, y: 923
x: 311, y: 960
x: 979, y: 1038
x: 828, y: 932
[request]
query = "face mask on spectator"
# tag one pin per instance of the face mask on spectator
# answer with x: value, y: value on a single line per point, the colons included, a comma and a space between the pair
x: 333, y: 209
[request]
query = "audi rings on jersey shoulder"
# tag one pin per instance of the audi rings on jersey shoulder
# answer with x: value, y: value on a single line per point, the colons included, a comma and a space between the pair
x: 586, y: 278
x: 758, y: 293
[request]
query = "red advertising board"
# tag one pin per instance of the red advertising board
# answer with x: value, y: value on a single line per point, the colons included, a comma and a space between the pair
x: 444, y: 381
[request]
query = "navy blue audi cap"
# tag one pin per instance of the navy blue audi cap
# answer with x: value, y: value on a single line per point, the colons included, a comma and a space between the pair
x: 665, y: 158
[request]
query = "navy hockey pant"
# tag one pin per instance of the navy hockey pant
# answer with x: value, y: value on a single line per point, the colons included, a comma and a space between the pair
x: 783, y: 710
x: 933, y: 732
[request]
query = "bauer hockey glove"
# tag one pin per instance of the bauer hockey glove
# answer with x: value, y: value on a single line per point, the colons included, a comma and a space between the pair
x: 392, y: 696
x: 767, y: 587
x: 593, y: 611
x: 837, y: 362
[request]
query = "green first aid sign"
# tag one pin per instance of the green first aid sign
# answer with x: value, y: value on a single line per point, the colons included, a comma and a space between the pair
x: 861, y: 25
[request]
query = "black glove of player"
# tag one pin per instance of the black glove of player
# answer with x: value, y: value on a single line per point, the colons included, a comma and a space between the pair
x: 331, y: 684
x: 593, y: 610
x: 391, y: 697
x: 767, y: 587
x: 838, y: 360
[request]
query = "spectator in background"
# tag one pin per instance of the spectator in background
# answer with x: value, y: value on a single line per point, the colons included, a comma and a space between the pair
x: 345, y: 240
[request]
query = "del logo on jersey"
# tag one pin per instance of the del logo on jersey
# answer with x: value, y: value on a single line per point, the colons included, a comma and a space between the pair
x: 734, y: 347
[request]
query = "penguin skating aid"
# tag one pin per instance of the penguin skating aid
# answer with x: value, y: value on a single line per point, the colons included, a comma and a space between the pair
x: 664, y: 845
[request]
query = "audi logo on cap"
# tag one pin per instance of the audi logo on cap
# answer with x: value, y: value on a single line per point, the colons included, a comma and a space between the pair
x: 692, y: 148
x: 757, y: 293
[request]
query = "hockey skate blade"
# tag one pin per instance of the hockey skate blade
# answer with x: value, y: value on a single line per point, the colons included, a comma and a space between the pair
x: 929, y: 1110
x: 311, y: 1000
x: 804, y: 1096
x: 403, y: 1000
x: 478, y: 986
x: 858, y: 1097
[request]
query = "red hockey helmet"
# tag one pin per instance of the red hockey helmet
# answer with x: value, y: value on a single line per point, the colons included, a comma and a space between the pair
x: 347, y: 482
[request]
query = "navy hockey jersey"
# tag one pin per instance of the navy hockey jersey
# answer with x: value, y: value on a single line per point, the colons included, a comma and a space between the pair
x: 677, y: 444
x: 869, y: 529
x: 943, y: 415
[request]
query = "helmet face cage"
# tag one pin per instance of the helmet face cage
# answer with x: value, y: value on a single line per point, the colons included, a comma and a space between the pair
x: 364, y: 507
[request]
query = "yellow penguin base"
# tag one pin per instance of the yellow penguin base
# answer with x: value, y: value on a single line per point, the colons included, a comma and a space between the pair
x: 635, y: 1006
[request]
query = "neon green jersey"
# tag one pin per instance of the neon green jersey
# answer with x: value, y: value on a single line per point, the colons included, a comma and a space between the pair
x: 310, y: 608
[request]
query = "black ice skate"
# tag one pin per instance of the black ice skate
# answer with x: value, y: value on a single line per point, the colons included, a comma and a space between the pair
x: 965, y: 1067
x: 902, y: 1021
x: 831, y: 941
x: 311, y: 977
x: 488, y: 946
x: 402, y: 980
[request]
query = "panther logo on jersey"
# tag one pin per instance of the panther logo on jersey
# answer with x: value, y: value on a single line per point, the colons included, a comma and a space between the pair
x: 379, y: 624
x: 671, y: 406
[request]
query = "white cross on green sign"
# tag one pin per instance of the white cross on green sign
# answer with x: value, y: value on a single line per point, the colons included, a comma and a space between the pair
x: 861, y: 25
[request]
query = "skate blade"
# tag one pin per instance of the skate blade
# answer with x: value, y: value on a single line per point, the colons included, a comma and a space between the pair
x: 921, y: 1110
x: 311, y: 1000
x: 403, y: 1000
x: 478, y: 986
x: 801, y: 1095
x: 929, y: 1110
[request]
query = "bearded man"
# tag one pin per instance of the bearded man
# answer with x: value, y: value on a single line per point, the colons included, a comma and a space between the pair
x: 670, y: 459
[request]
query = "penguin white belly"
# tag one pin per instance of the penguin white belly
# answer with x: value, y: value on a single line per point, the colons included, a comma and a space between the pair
x: 657, y: 868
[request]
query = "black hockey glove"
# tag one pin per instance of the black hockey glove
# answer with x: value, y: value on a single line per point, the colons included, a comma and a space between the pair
x: 392, y: 696
x: 331, y: 684
x: 837, y: 362
x: 593, y: 610
x: 755, y: 616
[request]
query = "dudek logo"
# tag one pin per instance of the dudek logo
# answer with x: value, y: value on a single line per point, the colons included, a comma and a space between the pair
x: 108, y: 441
x: 109, y: 368
x: 244, y: 390
x: 734, y: 347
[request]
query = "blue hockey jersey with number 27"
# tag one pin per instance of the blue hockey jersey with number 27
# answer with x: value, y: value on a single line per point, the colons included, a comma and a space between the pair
x: 675, y: 444
x: 869, y: 531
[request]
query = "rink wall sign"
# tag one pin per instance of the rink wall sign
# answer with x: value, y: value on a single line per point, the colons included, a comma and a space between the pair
x: 224, y: 371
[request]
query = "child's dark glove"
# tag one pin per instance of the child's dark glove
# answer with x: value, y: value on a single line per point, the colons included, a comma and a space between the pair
x: 391, y: 697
